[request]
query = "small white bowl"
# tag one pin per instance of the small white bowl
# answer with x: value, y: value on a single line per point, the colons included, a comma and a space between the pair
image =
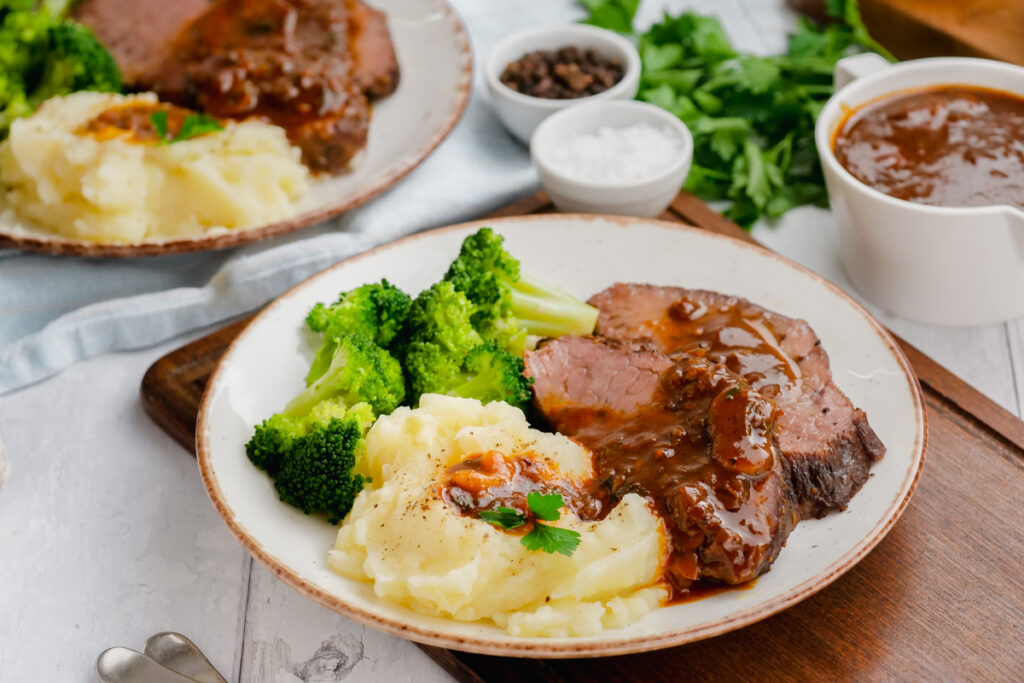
x: 935, y: 264
x: 644, y: 198
x: 521, y: 113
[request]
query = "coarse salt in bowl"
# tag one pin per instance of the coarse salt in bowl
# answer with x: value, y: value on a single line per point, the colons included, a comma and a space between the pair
x: 626, y: 158
x: 618, y: 155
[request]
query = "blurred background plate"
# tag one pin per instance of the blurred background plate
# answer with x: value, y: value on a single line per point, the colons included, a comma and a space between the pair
x: 436, y: 77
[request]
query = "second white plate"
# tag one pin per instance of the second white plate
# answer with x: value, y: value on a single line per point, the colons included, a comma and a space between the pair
x: 433, y: 90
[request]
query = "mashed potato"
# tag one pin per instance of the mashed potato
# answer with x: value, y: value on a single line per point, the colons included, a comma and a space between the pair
x: 120, y: 189
x: 420, y: 552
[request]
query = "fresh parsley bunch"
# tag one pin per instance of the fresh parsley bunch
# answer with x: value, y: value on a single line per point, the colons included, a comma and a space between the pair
x: 550, y: 539
x: 752, y: 118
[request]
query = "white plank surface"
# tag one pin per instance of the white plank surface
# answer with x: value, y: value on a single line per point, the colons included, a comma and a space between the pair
x: 319, y: 645
x: 106, y: 534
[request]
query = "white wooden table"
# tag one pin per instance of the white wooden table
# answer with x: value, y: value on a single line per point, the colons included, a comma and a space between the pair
x: 106, y: 534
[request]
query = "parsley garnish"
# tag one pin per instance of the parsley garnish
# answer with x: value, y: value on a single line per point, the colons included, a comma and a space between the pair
x: 159, y: 121
x: 192, y: 126
x: 550, y: 539
x: 195, y: 125
x: 545, y: 506
x: 506, y: 518
x: 752, y: 117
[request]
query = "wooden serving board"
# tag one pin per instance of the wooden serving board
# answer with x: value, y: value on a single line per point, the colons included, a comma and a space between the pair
x: 937, y: 28
x: 940, y: 598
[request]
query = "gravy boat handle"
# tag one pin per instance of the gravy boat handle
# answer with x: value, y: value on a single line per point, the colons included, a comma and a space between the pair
x: 849, y: 69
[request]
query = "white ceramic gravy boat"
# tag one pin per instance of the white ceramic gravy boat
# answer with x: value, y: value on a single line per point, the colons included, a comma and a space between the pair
x: 946, y: 266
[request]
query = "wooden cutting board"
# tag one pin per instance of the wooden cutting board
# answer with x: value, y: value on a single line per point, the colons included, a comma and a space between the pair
x: 940, y: 598
x: 934, y: 28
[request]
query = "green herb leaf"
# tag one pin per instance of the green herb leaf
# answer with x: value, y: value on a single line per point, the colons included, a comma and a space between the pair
x: 725, y: 135
x: 545, y: 506
x: 679, y: 79
x: 614, y: 15
x: 159, y: 121
x: 506, y: 518
x: 551, y: 539
x: 195, y: 125
x: 834, y: 8
x: 659, y: 57
x: 752, y: 117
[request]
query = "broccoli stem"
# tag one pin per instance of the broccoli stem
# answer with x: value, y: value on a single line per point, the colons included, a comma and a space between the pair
x: 483, y: 387
x: 547, y: 312
x: 319, y: 390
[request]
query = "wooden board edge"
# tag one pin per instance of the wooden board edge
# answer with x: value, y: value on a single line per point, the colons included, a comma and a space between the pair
x: 936, y: 377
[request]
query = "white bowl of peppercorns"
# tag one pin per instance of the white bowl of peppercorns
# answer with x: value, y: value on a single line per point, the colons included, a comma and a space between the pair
x: 537, y: 72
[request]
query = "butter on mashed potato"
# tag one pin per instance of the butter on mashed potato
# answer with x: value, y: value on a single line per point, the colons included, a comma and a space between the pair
x: 126, y: 188
x: 421, y: 552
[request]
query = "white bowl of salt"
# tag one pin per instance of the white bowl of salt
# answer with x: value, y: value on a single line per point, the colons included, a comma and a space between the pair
x: 624, y: 158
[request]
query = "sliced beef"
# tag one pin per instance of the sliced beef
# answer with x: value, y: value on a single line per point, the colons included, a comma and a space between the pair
x: 305, y: 65
x: 375, y: 66
x: 277, y: 60
x: 827, y: 443
x: 139, y: 33
x: 690, y: 435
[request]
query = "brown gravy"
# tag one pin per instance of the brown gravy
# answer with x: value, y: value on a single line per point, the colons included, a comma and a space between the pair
x: 701, y: 452
x: 487, y: 481
x: 702, y: 588
x: 947, y: 146
x: 282, y: 62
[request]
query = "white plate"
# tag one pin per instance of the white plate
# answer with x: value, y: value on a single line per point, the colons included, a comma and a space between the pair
x: 582, y: 254
x: 434, y: 86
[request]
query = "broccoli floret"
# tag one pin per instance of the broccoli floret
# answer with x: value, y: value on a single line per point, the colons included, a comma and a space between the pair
x: 510, y: 305
x: 16, y: 6
x: 75, y: 61
x: 42, y: 55
x: 359, y: 372
x: 428, y: 369
x: 487, y: 373
x: 375, y: 311
x: 443, y: 353
x: 311, y: 458
x: 24, y: 38
x: 440, y: 315
x: 491, y: 373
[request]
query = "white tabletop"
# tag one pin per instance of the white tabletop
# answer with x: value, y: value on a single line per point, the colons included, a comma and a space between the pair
x: 106, y: 534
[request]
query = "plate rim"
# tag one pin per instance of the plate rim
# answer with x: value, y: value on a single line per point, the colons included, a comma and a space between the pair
x: 62, y: 246
x: 511, y: 646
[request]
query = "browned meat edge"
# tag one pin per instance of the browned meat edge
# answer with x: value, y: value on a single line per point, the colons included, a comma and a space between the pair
x: 827, y: 443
